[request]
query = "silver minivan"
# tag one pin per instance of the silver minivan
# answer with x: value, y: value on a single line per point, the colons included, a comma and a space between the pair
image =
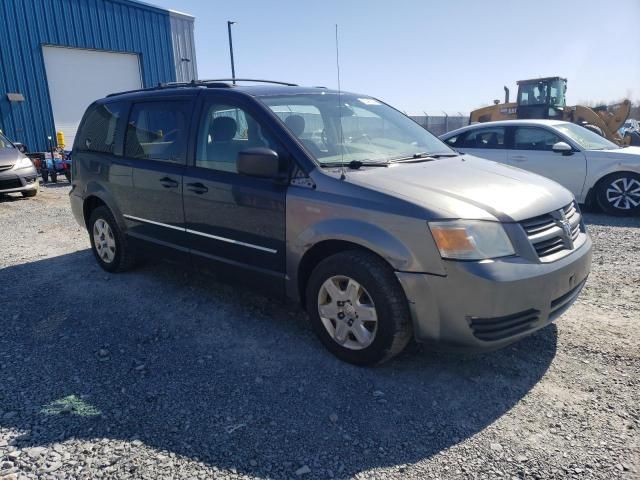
x: 333, y: 199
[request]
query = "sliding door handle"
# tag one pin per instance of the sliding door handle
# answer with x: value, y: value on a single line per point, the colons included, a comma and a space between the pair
x: 197, y: 188
x: 167, y: 182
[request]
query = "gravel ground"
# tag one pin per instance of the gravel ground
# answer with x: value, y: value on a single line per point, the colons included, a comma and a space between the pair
x: 164, y: 373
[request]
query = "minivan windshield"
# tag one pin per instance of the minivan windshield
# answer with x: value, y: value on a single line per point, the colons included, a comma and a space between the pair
x: 351, y: 128
x: 5, y: 143
x: 585, y: 138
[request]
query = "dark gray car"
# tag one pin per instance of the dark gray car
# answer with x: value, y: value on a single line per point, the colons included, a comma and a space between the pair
x: 17, y: 173
x: 335, y: 200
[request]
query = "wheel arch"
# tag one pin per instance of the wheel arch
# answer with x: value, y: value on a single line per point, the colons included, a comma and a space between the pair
x: 97, y: 196
x: 320, y: 251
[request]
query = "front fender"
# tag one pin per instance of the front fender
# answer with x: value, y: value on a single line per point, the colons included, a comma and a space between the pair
x: 361, y: 233
x: 597, y: 169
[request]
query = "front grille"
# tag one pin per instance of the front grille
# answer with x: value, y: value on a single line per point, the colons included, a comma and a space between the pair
x: 546, y: 232
x: 5, y: 167
x: 8, y: 184
x: 498, y: 328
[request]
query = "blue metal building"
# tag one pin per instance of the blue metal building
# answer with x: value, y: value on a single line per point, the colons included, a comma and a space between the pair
x: 56, y: 56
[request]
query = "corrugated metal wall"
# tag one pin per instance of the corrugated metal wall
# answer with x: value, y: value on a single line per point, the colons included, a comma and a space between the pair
x: 184, y: 49
x: 116, y: 25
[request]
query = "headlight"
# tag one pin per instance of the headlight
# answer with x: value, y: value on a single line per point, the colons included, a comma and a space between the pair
x: 471, y: 239
x: 23, y: 163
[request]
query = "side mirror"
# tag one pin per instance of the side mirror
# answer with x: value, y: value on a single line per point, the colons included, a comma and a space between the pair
x: 22, y: 148
x: 258, y: 162
x: 562, y: 147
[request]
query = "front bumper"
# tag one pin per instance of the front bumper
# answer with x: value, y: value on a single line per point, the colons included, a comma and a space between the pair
x: 487, y: 305
x: 20, y: 180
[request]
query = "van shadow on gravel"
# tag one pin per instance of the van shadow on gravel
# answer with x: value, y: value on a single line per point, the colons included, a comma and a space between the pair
x: 209, y: 371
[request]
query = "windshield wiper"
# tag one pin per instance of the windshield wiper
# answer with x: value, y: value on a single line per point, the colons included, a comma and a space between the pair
x: 421, y: 157
x: 355, y: 164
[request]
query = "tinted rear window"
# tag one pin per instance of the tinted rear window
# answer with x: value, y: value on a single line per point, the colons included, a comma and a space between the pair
x: 158, y: 131
x: 98, y: 132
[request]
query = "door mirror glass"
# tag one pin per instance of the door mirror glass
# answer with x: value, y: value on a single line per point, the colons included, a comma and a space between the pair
x: 562, y: 147
x: 258, y: 162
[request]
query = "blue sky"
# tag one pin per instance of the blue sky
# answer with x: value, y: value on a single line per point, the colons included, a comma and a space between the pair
x: 422, y: 55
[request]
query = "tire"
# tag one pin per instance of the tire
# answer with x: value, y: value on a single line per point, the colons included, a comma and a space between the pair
x: 619, y: 194
x: 380, y: 295
x: 54, y: 177
x: 45, y: 176
x: 30, y: 193
x: 113, y: 254
x: 67, y: 175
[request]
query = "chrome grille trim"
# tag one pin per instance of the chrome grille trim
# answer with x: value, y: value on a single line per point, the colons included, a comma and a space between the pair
x: 554, y: 232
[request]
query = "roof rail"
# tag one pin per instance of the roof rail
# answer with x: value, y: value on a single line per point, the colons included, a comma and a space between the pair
x: 160, y: 86
x: 215, y: 83
x: 257, y: 80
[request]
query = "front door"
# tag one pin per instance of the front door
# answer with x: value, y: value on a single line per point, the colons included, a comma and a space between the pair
x: 235, y: 223
x: 531, y: 149
x: 155, y: 145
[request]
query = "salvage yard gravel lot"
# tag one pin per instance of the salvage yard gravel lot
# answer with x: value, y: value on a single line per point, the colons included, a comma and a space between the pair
x: 165, y: 373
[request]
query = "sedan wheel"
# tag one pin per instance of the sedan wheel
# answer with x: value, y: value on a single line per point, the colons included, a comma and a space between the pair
x: 620, y: 194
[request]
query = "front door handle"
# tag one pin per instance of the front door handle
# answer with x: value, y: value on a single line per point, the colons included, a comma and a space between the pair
x: 167, y: 182
x: 198, y: 188
x: 518, y: 158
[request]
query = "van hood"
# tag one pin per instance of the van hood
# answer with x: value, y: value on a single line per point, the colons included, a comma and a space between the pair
x: 9, y: 156
x: 467, y: 187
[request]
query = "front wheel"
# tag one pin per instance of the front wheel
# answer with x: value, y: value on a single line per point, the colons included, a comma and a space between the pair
x: 108, y: 242
x: 54, y: 177
x: 358, y: 308
x: 619, y: 194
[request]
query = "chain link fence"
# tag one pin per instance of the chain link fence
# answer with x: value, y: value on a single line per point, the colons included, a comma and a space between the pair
x: 439, y: 124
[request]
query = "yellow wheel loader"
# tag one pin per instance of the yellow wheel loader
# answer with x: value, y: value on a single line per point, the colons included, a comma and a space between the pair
x: 545, y: 98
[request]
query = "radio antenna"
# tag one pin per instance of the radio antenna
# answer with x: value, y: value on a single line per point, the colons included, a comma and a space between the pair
x: 339, y: 111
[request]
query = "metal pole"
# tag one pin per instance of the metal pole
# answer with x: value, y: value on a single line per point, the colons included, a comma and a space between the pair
x: 446, y: 121
x: 233, y: 68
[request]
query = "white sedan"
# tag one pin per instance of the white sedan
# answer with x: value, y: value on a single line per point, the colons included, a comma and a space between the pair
x: 593, y: 168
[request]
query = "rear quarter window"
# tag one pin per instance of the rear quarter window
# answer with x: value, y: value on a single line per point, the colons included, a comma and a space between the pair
x: 100, y: 128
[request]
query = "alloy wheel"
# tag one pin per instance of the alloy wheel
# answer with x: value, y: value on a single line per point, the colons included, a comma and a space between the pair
x: 624, y: 193
x: 347, y: 312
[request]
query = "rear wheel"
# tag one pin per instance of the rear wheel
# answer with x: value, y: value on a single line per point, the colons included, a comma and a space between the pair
x: 108, y: 242
x: 45, y: 176
x: 619, y: 194
x: 358, y: 308
x: 54, y: 177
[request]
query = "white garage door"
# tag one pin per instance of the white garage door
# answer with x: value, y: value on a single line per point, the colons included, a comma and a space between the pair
x: 77, y: 77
